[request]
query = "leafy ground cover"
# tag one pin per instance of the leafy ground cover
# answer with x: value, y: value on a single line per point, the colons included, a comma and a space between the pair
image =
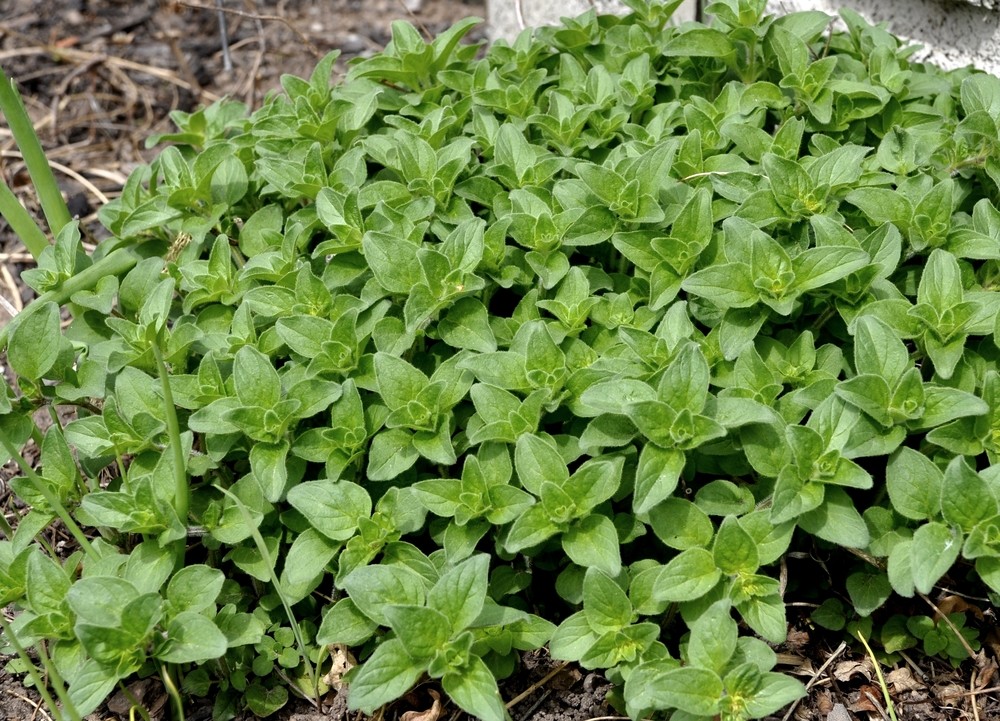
x: 581, y: 343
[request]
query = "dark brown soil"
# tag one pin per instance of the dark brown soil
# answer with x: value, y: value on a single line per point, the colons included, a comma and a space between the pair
x: 100, y: 76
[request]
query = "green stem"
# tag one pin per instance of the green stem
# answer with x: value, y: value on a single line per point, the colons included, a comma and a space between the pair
x: 878, y: 672
x: 175, y: 696
x: 50, y: 498
x: 57, y: 682
x: 269, y: 562
x: 116, y: 263
x: 21, y: 222
x: 181, y: 490
x: 33, y: 674
x: 53, y: 205
x: 135, y: 703
x: 5, y: 527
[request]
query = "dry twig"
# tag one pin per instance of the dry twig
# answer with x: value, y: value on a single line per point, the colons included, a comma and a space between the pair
x: 243, y: 14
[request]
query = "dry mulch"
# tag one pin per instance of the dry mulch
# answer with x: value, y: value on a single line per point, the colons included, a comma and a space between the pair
x: 100, y: 76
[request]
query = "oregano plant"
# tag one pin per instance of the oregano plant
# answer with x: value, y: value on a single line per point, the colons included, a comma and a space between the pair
x: 566, y: 342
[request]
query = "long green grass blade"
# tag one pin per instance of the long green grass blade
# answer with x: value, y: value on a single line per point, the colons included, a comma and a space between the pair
x: 21, y: 222
x: 56, y: 213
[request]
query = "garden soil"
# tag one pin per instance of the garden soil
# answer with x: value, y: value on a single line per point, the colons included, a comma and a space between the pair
x: 100, y: 76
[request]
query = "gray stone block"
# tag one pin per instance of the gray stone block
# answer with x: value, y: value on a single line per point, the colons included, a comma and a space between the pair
x: 509, y: 17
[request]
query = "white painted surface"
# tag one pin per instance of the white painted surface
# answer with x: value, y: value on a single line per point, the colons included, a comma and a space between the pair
x: 954, y: 33
x: 508, y: 17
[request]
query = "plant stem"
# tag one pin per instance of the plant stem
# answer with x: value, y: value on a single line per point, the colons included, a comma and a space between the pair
x: 135, y: 704
x: 181, y: 490
x: 50, y: 498
x: 56, y: 213
x: 5, y: 527
x: 21, y: 222
x: 266, y: 555
x: 57, y: 682
x: 116, y: 263
x: 172, y: 691
x: 881, y: 678
x: 33, y: 674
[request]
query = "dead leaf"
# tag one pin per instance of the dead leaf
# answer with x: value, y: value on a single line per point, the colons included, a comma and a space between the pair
x: 902, y: 680
x: 956, y: 604
x: 797, y: 640
x: 341, y: 661
x: 565, y: 679
x: 431, y: 714
x: 985, y: 678
x: 846, y: 670
x: 824, y: 702
x: 868, y: 700
x: 950, y: 694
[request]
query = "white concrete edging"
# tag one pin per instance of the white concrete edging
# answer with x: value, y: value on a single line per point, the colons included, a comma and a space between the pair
x: 953, y: 33
x: 507, y: 18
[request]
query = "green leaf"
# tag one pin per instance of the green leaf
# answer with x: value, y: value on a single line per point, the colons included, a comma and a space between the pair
x: 593, y: 542
x: 89, y: 685
x: 734, y: 550
x: 398, y: 381
x: 460, y: 592
x: 474, y: 690
x: 375, y: 588
x: 966, y: 497
x: 697, y: 691
x: 192, y: 638
x: 442, y: 496
x: 305, y: 564
x: 879, y: 351
x: 194, y: 588
x: 391, y: 453
x: 914, y: 484
x: 344, y: 623
x: 530, y: 529
x: 941, y: 282
x: 334, y: 508
x: 728, y: 285
x: 265, y: 700
x: 836, y: 521
x: 689, y: 575
x: 713, y: 638
x: 269, y: 464
x: 466, y: 325
x: 934, y: 549
x: 422, y: 631
x: 537, y: 461
x: 47, y: 584
x: 766, y: 616
x: 656, y: 477
x: 605, y: 604
x: 681, y: 524
x: 868, y: 591
x: 882, y: 205
x: 699, y: 42
x: 36, y: 341
x: 943, y: 404
x: 773, y: 692
x: 573, y: 638
x: 387, y: 674
x: 100, y: 599
x: 393, y: 260
x: 255, y: 379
